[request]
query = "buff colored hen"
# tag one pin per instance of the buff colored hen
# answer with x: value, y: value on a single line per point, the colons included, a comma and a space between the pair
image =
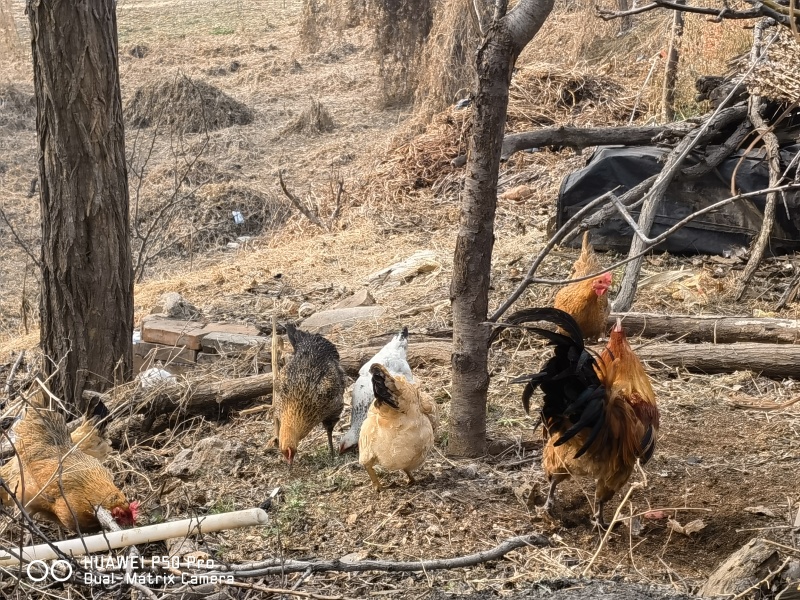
x: 398, y: 432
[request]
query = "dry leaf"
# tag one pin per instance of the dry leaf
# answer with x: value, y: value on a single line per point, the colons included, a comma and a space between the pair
x: 688, y: 529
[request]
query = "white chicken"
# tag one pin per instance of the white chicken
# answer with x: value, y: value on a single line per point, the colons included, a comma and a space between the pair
x: 393, y: 356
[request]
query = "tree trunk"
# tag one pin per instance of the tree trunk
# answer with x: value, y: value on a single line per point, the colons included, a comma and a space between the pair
x: 671, y: 69
x: 87, y: 284
x: 469, y: 291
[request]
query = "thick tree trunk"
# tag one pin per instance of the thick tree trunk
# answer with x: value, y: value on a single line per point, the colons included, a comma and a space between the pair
x: 472, y: 261
x: 87, y: 284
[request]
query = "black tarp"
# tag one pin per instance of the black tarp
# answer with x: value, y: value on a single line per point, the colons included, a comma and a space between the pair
x: 731, y: 226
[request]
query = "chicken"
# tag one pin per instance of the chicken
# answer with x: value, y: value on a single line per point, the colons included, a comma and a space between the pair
x: 599, y: 416
x: 393, y: 357
x: 310, y: 391
x: 62, y: 478
x: 586, y: 301
x: 398, y: 431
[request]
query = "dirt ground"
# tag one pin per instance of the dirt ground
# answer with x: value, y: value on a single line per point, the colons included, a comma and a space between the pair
x: 736, y: 470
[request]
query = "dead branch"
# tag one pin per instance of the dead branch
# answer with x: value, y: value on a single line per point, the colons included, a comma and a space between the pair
x: 770, y: 360
x: 767, y: 9
x: 718, y: 120
x: 279, y: 566
x: 12, y: 373
x: 709, y: 328
x: 773, y: 150
x: 338, y: 200
x: 299, y: 205
x: 584, y: 137
x: 529, y: 279
x: 791, y: 293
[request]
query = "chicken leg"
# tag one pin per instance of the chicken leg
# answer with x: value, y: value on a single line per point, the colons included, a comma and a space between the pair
x: 376, y: 483
x: 555, y: 479
x: 411, y: 480
x: 329, y: 429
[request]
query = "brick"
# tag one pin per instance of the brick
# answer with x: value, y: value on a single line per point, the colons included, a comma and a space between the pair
x: 233, y: 328
x: 172, y: 332
x: 168, y: 354
x: 225, y: 343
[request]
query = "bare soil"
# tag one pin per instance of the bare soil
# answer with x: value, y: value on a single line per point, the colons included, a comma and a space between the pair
x: 735, y: 470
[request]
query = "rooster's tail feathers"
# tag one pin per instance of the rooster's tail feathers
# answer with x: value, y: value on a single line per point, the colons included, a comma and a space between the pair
x: 551, y: 315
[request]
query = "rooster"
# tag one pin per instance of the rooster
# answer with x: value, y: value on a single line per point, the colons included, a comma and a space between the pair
x: 309, y: 390
x: 60, y: 476
x: 599, y: 416
x: 398, y: 431
x: 586, y: 301
x: 393, y: 356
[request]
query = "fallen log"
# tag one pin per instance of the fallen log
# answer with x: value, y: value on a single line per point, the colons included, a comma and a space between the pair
x: 201, y: 396
x: 709, y: 328
x: 771, y: 360
x: 584, y: 137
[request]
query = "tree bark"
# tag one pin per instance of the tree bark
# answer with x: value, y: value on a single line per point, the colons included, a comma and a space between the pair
x: 472, y: 261
x: 87, y: 284
x: 584, y: 137
x: 710, y: 328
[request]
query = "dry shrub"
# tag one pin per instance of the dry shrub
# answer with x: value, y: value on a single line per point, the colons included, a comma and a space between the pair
x: 778, y: 77
x: 426, y: 158
x: 17, y: 109
x: 185, y: 105
x: 314, y: 120
x: 543, y: 94
x: 400, y: 28
x: 447, y: 65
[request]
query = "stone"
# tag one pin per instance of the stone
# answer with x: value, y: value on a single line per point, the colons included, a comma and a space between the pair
x: 327, y: 320
x: 361, y: 298
x: 177, y: 307
x: 225, y: 343
x: 306, y: 309
x: 211, y: 454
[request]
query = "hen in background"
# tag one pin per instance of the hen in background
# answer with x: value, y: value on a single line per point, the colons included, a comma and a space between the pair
x: 310, y: 391
x: 599, y: 417
x: 399, y: 429
x: 393, y: 356
x: 586, y: 301
x: 59, y: 476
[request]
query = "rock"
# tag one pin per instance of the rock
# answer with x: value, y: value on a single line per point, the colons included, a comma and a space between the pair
x: 360, y: 298
x: 176, y: 307
x: 306, y: 309
x: 166, y: 354
x: 327, y: 320
x: 423, y: 261
x: 225, y: 343
x: 208, y: 455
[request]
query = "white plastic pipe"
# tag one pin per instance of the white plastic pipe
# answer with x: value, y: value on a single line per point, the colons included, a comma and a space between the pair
x: 139, y: 535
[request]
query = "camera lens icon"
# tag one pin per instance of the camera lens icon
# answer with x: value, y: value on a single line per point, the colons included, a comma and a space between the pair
x: 60, y: 570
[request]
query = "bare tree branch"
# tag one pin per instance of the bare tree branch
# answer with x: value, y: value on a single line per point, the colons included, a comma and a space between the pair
x: 299, y: 205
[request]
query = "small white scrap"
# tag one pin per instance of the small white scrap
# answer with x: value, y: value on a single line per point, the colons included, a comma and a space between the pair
x: 137, y: 336
x: 237, y: 217
x: 152, y: 377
